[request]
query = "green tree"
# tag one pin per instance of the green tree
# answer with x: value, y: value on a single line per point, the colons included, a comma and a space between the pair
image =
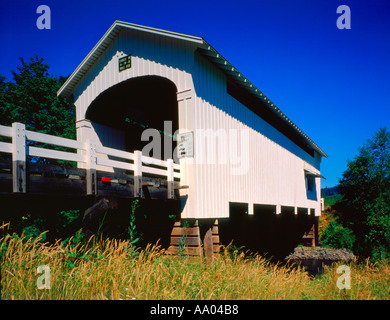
x: 365, y: 206
x: 31, y: 98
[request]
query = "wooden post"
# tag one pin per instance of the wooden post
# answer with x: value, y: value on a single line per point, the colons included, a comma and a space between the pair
x: 92, y: 214
x: 137, y: 174
x: 97, y: 210
x: 315, y: 237
x: 208, y: 247
x: 19, y: 157
x: 91, y: 167
x: 170, y: 179
x: 215, y: 237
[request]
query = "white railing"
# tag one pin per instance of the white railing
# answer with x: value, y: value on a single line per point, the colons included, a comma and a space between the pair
x: 92, y: 156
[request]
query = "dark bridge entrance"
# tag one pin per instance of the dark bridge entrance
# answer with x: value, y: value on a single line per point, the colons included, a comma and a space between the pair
x: 135, y: 105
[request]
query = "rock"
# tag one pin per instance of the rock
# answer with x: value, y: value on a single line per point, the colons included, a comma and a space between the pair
x: 313, y: 259
x: 306, y: 253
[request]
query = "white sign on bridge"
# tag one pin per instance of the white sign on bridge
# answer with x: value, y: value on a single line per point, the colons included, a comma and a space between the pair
x: 185, y: 147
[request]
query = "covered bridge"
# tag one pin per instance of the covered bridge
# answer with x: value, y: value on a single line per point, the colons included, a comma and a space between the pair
x: 173, y: 95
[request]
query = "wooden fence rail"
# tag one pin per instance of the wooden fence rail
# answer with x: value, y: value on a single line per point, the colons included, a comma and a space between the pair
x: 91, y: 155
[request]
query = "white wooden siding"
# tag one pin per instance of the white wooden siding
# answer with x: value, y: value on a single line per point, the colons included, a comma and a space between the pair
x: 276, y: 165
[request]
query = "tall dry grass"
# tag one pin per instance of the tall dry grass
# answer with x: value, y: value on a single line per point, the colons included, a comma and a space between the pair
x: 110, y: 269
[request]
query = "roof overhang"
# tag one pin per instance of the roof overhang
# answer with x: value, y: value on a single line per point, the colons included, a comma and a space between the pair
x: 313, y: 174
x: 203, y: 47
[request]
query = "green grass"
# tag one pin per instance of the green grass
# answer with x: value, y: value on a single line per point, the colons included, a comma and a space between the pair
x: 109, y: 270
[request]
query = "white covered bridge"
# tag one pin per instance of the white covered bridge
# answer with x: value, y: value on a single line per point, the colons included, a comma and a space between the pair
x: 236, y: 156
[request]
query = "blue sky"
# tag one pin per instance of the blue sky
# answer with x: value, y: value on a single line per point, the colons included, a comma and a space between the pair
x: 334, y: 84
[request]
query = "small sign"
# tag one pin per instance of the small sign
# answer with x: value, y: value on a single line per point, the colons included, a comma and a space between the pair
x: 124, y: 63
x: 185, y: 145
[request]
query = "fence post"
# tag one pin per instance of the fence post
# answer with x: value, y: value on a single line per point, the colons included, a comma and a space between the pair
x: 138, y: 174
x: 170, y: 179
x: 90, y: 161
x: 19, y: 157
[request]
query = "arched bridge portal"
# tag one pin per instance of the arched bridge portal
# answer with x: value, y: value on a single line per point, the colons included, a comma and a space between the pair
x: 132, y: 106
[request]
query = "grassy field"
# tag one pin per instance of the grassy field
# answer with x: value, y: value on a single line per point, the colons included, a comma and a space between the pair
x: 111, y: 269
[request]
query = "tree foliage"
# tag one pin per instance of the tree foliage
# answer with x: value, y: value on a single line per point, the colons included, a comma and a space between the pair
x: 31, y: 98
x: 336, y: 236
x: 365, y: 206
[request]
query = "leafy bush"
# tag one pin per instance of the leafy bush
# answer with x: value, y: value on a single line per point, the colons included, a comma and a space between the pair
x: 378, y: 236
x: 336, y: 236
